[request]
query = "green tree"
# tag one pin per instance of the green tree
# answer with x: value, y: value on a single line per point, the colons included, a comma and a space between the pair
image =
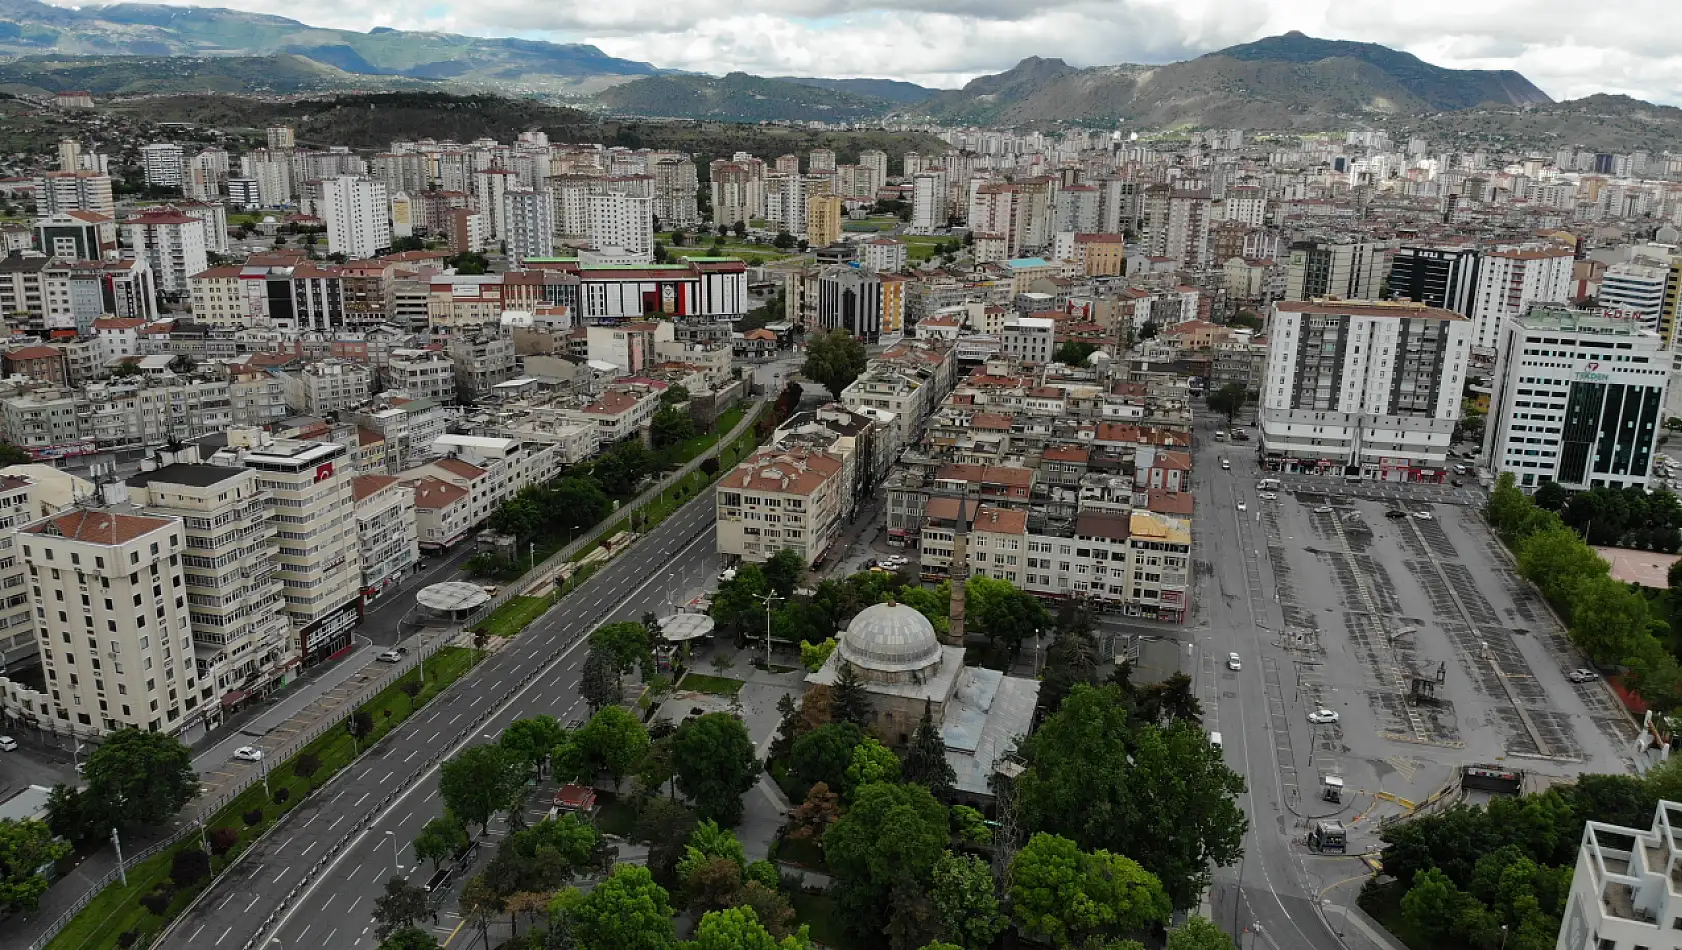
x: 402, y: 905
x: 1433, y: 904
x: 532, y: 739
x: 671, y: 426
x: 1608, y: 620
x: 814, y: 655
x: 12, y: 455
x: 871, y: 762
x: 739, y: 928
x: 925, y: 761
x: 1198, y: 933
x: 70, y: 814
x: 25, y: 847
x: 784, y: 571
x: 1074, y: 353
x: 1228, y: 400
x: 889, y: 840
x: 783, y: 241
x: 1161, y: 794
x: 481, y: 781
x: 1000, y: 611
x: 628, y: 911
x: 964, y: 899
x: 834, y: 360
x: 1507, y: 506
x: 628, y: 643
x: 140, y: 776
x: 440, y: 839
x: 824, y: 754
x: 599, y: 682
x: 709, y: 842
x: 469, y: 263
x: 541, y: 858
x: 613, y: 741
x: 1065, y: 895
x: 1557, y: 560
x: 715, y: 764
x: 739, y: 604
x: 409, y: 938
x: 1072, y: 658
x: 851, y: 701
x: 1551, y: 495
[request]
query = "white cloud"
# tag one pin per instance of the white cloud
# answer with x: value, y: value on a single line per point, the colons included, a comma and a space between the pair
x: 1568, y: 48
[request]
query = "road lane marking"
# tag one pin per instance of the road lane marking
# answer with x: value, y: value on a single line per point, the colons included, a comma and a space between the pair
x: 359, y: 801
x: 253, y: 901
x: 335, y: 823
x: 282, y: 874
x: 358, y: 897
x: 224, y: 936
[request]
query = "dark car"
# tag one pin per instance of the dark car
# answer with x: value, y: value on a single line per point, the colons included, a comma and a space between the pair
x: 1395, y: 513
x: 1456, y: 482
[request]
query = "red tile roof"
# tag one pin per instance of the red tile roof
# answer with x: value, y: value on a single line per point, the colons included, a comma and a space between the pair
x: 98, y: 527
x: 364, y: 485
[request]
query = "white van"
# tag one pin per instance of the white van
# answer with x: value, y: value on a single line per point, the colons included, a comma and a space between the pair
x: 1215, y: 739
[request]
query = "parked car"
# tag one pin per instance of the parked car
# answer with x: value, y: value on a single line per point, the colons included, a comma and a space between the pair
x: 1395, y: 513
x: 8, y: 744
x: 1225, y: 465
x: 1267, y: 496
x: 1243, y: 507
x: 1581, y: 676
x: 1424, y: 516
x: 1456, y: 482
x: 1323, y: 510
x: 1233, y: 662
x: 246, y: 753
x: 393, y: 656
x: 1322, y: 717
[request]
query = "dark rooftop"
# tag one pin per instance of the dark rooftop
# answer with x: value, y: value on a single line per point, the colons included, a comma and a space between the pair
x: 183, y: 473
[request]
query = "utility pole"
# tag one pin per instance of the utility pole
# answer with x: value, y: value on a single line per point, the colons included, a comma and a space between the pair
x: 769, y: 598
x: 117, y: 842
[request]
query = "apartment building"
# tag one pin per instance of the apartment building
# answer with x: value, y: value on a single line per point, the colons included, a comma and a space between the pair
x: 127, y: 659
x: 1175, y: 224
x: 422, y: 374
x: 621, y: 227
x: 1634, y: 290
x: 387, y: 537
x: 409, y: 428
x: 242, y: 644
x: 1511, y: 279
x: 172, y: 244
x: 1030, y: 339
x: 443, y: 513
x: 164, y: 163
x: 1136, y: 563
x: 1577, y: 399
x: 325, y: 386
x: 28, y: 493
x: 1363, y: 388
x: 823, y: 220
x: 1443, y: 277
x: 492, y: 470
x: 481, y: 361
x: 1352, y: 270
x: 530, y: 217
x: 777, y: 499
x: 308, y: 486
x: 65, y: 191
x: 1623, y: 891
x: 357, y: 213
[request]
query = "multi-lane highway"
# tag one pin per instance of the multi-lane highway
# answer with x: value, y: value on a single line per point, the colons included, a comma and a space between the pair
x: 294, y: 889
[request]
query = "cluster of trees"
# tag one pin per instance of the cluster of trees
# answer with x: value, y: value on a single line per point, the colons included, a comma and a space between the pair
x: 1484, y: 874
x: 1610, y: 621
x: 1618, y: 517
x: 995, y: 609
x: 1074, y: 353
x: 672, y: 424
x: 1228, y: 400
x: 834, y: 360
x: 1127, y: 803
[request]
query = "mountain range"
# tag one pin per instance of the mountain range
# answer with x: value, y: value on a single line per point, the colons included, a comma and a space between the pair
x: 1279, y: 82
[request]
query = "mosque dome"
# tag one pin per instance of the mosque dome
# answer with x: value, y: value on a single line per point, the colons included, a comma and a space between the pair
x: 890, y: 638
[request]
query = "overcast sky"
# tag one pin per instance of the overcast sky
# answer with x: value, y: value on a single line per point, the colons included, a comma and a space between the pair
x: 1570, y: 49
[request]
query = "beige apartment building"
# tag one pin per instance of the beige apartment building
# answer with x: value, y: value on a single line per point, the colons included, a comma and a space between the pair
x: 111, y: 610
x: 307, y: 487
x: 778, y: 499
x: 386, y: 532
x: 241, y: 637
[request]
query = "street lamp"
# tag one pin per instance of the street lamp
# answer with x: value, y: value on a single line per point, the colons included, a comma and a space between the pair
x: 392, y: 837
x: 768, y: 599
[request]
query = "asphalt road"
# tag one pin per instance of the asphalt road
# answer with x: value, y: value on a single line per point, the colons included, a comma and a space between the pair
x: 333, y: 897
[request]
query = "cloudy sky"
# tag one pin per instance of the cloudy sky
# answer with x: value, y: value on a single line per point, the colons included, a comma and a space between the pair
x: 1570, y: 49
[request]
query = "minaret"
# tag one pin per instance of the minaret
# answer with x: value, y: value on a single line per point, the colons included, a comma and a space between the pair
x: 959, y: 571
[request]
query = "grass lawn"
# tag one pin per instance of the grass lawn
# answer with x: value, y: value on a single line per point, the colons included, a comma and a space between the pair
x: 117, y: 909
x: 718, y: 685
x: 513, y: 616
x: 819, y: 911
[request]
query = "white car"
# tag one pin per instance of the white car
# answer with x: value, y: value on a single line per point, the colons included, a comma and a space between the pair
x: 1267, y: 496
x: 246, y: 753
x: 1575, y: 676
x: 1243, y: 507
x: 1323, y: 510
x: 1422, y: 515
x: 1321, y: 717
x: 1233, y: 662
x: 8, y: 744
x: 392, y: 656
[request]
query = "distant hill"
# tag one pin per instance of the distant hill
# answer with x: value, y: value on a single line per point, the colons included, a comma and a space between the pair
x: 1290, y: 81
x: 738, y: 97
x: 154, y: 75
x: 891, y: 90
x: 30, y: 27
x: 1601, y: 122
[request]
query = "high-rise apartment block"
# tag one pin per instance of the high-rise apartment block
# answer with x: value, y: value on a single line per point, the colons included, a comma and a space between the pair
x: 529, y: 217
x: 65, y: 191
x: 1363, y: 388
x: 280, y: 136
x: 164, y: 163
x: 1444, y: 277
x: 1511, y: 279
x: 357, y: 216
x: 622, y: 227
x: 308, y: 486
x: 1349, y: 271
x: 1175, y: 224
x: 110, y: 594
x: 172, y: 244
x: 676, y: 186
x: 1577, y: 398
